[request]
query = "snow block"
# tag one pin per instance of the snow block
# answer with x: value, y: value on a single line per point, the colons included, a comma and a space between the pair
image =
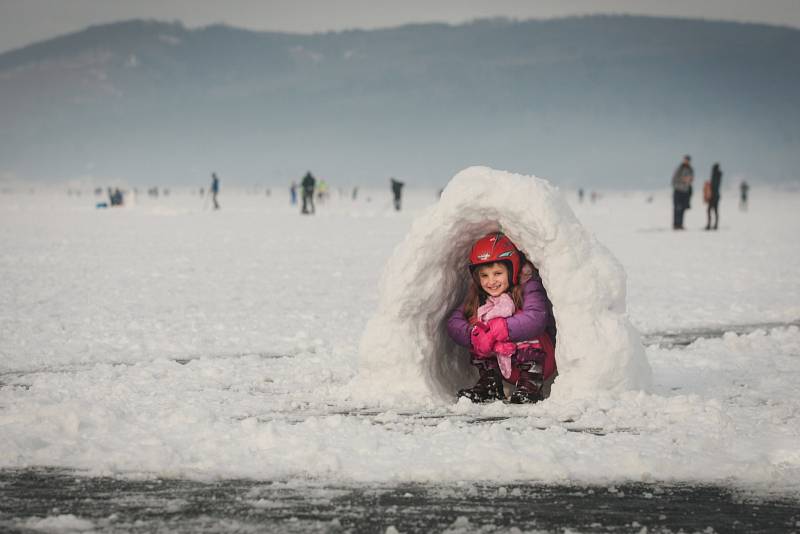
x: 405, y: 349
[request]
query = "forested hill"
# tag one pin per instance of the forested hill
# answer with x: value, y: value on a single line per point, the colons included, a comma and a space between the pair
x: 594, y: 101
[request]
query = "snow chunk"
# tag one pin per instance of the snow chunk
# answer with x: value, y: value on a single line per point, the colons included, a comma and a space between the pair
x: 60, y: 523
x: 405, y: 350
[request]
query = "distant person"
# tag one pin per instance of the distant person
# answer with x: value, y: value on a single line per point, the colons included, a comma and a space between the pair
x: 711, y: 196
x: 322, y: 191
x: 214, y: 189
x: 115, y: 197
x: 397, y: 192
x: 682, y: 180
x: 293, y: 193
x: 506, y: 322
x: 355, y: 192
x: 580, y: 195
x: 744, y: 188
x: 308, y: 184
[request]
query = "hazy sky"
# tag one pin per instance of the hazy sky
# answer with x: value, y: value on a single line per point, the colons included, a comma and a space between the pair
x: 26, y: 21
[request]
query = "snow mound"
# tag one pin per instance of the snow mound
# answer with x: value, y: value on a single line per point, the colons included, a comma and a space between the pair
x: 60, y: 523
x: 405, y: 350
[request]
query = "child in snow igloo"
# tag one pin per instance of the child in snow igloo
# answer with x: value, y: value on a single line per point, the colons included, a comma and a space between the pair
x: 507, y: 323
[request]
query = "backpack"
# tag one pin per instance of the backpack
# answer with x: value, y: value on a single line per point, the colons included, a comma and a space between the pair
x: 707, y: 191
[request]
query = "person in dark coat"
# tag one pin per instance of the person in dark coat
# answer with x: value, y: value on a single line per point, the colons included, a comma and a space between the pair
x: 214, y: 189
x: 308, y: 184
x: 743, y: 189
x: 397, y: 191
x: 713, y: 201
x: 682, y: 180
x: 115, y: 197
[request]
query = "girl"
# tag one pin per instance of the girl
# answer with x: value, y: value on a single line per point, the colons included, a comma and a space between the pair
x: 507, y: 323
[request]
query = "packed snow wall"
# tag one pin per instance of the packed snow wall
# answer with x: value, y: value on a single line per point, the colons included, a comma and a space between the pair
x: 405, y: 349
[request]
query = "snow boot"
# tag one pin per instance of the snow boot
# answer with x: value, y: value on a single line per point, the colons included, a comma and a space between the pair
x: 529, y: 384
x: 489, y: 386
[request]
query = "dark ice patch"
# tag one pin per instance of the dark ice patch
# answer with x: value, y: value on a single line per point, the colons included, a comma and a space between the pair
x: 235, y: 505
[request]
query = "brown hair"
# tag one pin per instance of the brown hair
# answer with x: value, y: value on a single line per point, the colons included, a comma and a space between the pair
x: 476, y: 296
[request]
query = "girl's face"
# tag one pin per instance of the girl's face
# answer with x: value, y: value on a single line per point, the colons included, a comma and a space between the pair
x: 493, y: 278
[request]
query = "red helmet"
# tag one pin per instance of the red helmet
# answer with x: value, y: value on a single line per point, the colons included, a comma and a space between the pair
x: 496, y: 247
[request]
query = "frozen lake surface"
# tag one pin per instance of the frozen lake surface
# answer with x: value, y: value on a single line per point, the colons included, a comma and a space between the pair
x: 164, y: 341
x: 48, y: 500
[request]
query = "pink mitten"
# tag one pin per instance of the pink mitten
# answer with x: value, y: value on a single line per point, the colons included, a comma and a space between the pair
x: 482, y: 340
x: 498, y: 328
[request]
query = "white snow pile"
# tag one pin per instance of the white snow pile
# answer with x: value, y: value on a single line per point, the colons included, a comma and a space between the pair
x: 60, y: 523
x: 405, y: 349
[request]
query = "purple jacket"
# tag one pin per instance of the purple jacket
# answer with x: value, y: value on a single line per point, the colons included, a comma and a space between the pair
x: 535, y: 317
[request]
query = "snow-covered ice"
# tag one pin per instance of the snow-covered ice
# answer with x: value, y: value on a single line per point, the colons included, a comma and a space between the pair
x: 167, y: 340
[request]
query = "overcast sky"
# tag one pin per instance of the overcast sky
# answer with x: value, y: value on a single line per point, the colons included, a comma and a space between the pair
x: 24, y: 22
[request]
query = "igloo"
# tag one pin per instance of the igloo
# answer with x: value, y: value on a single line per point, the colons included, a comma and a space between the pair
x: 405, y: 350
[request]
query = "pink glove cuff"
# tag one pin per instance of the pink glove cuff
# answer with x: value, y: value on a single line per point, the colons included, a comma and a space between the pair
x: 504, y: 362
x: 506, y: 348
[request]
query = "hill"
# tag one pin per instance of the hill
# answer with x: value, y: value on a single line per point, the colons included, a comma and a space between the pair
x: 595, y: 101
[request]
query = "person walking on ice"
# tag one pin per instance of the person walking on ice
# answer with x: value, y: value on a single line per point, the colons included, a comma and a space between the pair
x: 743, y: 190
x: 214, y: 189
x: 711, y: 196
x: 507, y: 323
x: 308, y: 184
x: 682, y: 180
x: 397, y: 192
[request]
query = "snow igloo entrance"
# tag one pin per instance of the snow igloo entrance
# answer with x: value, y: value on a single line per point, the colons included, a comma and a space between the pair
x: 405, y: 349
